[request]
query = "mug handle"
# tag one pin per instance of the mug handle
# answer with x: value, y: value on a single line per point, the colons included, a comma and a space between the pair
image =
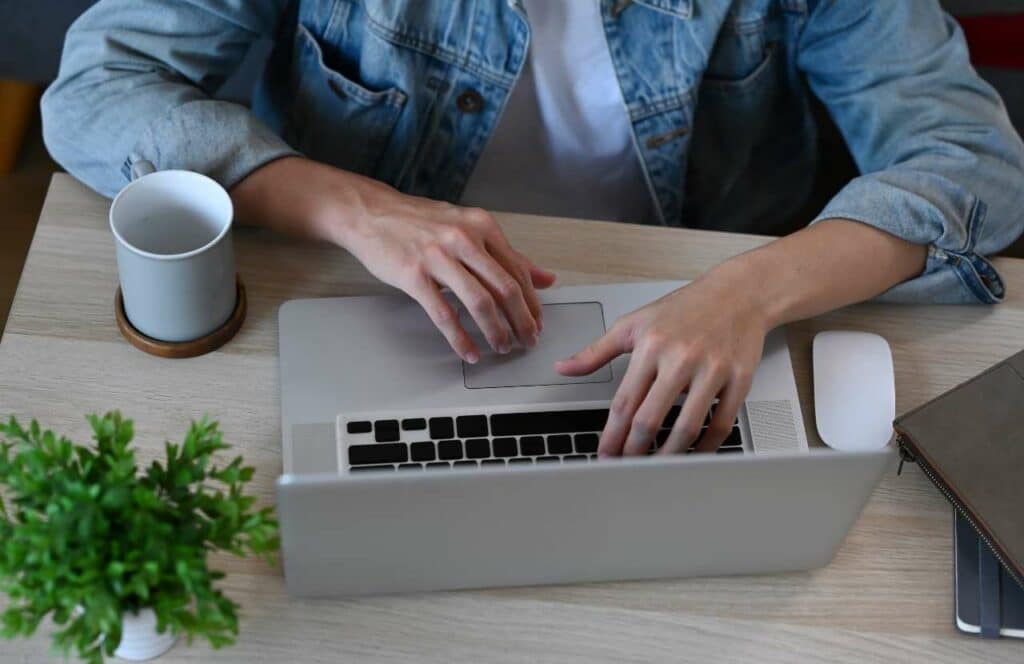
x: 142, y: 167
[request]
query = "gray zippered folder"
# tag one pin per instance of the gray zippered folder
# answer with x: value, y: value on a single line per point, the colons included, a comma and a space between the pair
x: 970, y: 443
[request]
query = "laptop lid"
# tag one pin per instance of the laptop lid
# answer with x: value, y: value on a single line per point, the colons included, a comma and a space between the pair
x: 631, y: 518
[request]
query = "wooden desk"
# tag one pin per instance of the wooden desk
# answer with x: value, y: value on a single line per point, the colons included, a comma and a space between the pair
x: 886, y: 597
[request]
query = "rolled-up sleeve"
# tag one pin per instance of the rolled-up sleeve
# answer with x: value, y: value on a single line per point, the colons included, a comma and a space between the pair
x: 940, y: 163
x: 136, y: 82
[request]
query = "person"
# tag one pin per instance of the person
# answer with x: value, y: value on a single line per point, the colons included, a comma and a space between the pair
x: 387, y: 126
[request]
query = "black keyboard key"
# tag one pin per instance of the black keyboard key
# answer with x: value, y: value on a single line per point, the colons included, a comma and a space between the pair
x: 471, y: 426
x: 519, y: 461
x: 730, y: 450
x: 449, y: 449
x: 441, y: 427
x: 575, y: 457
x: 364, y: 455
x: 459, y: 464
x: 359, y: 427
x: 414, y: 424
x: 593, y: 457
x: 478, y: 448
x: 422, y: 452
x: 532, y: 445
x: 492, y: 462
x: 505, y: 447
x: 563, y: 421
x: 734, y: 439
x: 438, y: 464
x: 586, y: 443
x: 670, y: 418
x: 547, y: 459
x: 386, y: 431
x: 662, y: 436
x: 359, y: 469
x: 410, y: 466
x: 560, y: 444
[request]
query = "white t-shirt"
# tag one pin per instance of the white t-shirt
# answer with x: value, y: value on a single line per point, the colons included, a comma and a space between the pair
x: 563, y: 146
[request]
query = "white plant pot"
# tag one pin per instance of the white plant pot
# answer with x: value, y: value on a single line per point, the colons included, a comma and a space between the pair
x: 139, y: 638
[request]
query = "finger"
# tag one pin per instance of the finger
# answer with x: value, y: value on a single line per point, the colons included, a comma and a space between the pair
x: 426, y: 292
x: 532, y: 299
x: 687, y: 427
x: 651, y: 413
x: 475, y: 298
x: 497, y: 248
x: 520, y: 266
x: 725, y: 413
x: 541, y: 277
x: 504, y: 284
x: 613, y: 343
x: 628, y: 397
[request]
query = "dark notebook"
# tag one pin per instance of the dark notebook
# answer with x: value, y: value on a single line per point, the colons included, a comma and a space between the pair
x: 970, y: 444
x: 988, y: 601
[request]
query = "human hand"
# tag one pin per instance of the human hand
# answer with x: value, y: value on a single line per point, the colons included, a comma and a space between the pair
x: 415, y: 244
x: 704, y: 339
x: 418, y: 245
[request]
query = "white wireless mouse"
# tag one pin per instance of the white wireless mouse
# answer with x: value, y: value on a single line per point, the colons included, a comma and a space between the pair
x: 854, y: 390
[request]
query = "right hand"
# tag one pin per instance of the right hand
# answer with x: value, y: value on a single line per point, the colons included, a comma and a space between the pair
x: 415, y: 244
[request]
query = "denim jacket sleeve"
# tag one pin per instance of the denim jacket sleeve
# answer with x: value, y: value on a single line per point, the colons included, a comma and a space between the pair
x: 941, y: 164
x: 135, y: 82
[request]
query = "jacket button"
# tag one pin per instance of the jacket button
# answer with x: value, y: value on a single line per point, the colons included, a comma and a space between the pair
x: 470, y: 101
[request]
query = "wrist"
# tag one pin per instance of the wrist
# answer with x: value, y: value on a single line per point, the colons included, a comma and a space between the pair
x: 342, y: 204
x: 748, y: 281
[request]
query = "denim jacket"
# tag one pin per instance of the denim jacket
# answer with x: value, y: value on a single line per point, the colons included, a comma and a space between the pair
x: 718, y: 93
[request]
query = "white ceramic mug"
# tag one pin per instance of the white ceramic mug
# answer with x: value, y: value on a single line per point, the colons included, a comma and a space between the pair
x: 175, y: 259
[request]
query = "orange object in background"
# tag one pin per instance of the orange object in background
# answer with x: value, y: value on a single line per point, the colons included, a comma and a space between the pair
x: 17, y: 106
x: 995, y: 41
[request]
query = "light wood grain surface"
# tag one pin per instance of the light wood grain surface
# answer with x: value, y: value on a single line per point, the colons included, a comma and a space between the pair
x: 887, y: 596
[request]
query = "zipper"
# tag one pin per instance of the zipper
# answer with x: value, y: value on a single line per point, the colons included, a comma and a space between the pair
x: 906, y: 454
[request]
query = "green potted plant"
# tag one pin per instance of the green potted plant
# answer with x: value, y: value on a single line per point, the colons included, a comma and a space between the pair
x: 117, y: 558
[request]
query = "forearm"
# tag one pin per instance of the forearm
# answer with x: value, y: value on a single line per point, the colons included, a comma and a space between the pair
x: 820, y: 268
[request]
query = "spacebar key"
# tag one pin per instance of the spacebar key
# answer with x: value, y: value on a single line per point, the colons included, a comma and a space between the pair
x: 556, y: 421
x: 361, y: 455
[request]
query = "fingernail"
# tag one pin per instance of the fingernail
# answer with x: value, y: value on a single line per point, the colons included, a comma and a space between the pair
x: 472, y: 357
x: 504, y: 349
x: 532, y: 341
x: 603, y: 455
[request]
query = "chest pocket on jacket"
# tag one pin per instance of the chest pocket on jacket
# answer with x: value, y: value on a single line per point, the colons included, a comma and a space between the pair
x: 335, y: 119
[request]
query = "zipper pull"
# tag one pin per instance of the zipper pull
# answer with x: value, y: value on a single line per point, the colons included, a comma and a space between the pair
x: 905, y: 454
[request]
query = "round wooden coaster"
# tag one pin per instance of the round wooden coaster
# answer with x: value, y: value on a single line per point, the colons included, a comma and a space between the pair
x: 180, y: 349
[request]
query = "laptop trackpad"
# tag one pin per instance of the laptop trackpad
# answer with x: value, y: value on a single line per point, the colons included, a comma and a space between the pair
x: 568, y: 328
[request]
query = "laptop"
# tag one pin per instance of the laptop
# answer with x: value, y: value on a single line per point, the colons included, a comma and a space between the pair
x: 406, y: 469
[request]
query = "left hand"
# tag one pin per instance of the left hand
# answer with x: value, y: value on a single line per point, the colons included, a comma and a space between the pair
x: 704, y: 339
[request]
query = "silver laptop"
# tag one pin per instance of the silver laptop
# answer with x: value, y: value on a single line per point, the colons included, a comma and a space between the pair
x: 406, y: 469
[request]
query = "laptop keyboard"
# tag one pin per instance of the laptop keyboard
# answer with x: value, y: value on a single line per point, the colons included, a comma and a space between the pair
x: 497, y: 438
